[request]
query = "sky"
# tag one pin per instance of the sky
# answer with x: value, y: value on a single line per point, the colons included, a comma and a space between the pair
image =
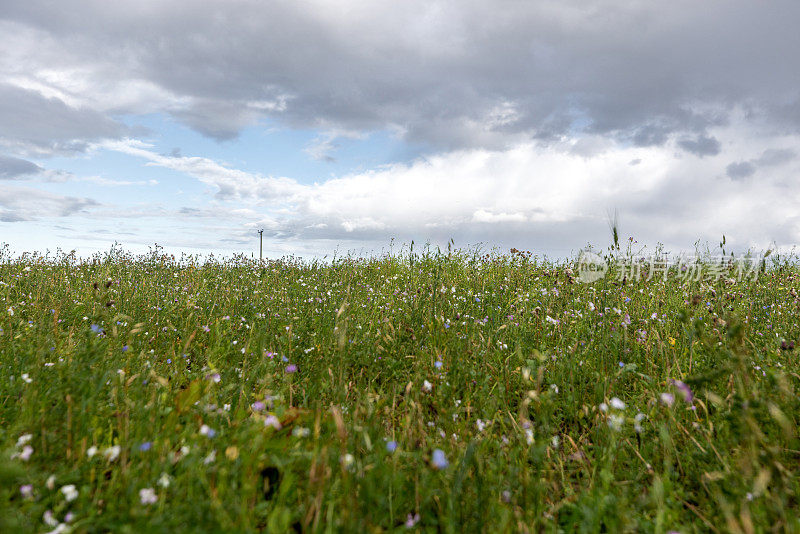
x: 354, y: 127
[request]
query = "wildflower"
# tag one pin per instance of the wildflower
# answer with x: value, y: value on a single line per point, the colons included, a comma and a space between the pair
x: 51, y: 482
x: 258, y: 406
x: 206, y: 430
x: 96, y: 329
x: 23, y: 439
x: 147, y: 496
x: 555, y: 442
x: 685, y: 390
x: 272, y: 421
x: 164, y: 480
x: 667, y: 398
x: 61, y: 528
x: 112, y: 453
x: 391, y: 446
x: 124, y: 348
x: 551, y: 320
x: 347, y: 460
x: 439, y: 460
x: 26, y: 378
x: 438, y: 364
x: 617, y: 404
x: 427, y: 386
x: 412, y: 520
x: 70, y: 493
x: 146, y: 446
x: 301, y: 432
x: 637, y: 422
x: 554, y: 388
x: 91, y: 451
x: 26, y: 490
x: 48, y: 519
x: 615, y: 422
x: 480, y: 424
x: 210, y: 458
x: 26, y: 453
x: 529, y: 436
x: 603, y: 407
x: 214, y: 377
x: 291, y: 368
x: 10, y: 311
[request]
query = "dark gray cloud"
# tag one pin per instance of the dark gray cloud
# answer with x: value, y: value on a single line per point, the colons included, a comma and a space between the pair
x: 33, y: 124
x: 466, y: 74
x: 775, y: 156
x: 772, y: 157
x: 14, y: 168
x: 740, y: 170
x: 700, y: 146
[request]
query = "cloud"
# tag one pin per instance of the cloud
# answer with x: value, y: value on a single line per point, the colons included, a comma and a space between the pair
x: 28, y: 204
x: 33, y: 124
x: 769, y: 158
x: 775, y: 156
x: 444, y: 75
x: 700, y: 146
x: 229, y: 184
x: 552, y: 198
x: 533, y: 119
x: 742, y: 169
x: 14, y: 168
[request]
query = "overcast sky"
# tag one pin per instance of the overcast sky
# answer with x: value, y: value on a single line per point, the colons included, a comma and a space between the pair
x: 352, y: 125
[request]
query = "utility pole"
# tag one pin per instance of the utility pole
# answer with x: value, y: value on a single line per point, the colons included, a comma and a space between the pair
x: 261, y: 245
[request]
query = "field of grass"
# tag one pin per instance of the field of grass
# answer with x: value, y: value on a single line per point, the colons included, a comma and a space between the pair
x: 434, y: 391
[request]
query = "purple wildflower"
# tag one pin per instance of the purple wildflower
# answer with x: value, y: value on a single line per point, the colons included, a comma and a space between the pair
x: 685, y: 390
x: 439, y: 460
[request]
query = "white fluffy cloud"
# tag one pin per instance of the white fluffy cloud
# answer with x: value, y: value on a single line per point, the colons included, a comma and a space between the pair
x: 553, y: 198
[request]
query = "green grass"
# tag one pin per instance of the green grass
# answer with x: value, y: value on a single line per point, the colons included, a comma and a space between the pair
x: 503, y: 362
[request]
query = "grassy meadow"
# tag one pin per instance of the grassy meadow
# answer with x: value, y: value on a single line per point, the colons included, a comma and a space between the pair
x: 428, y: 391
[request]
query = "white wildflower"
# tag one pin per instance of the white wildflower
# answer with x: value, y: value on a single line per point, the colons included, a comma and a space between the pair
x: 70, y: 493
x: 147, y: 496
x: 112, y: 453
